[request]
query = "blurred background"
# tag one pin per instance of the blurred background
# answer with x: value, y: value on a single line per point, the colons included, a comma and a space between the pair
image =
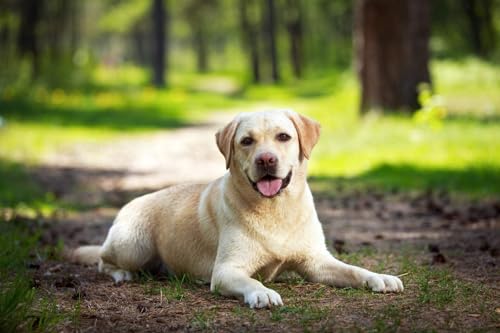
x: 103, y: 100
x: 407, y: 92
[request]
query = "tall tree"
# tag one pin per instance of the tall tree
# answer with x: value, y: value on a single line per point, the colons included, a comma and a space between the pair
x: 391, y: 44
x: 295, y: 34
x: 199, y: 15
x: 160, y: 43
x: 479, y: 15
x: 28, y: 44
x: 270, y: 38
x: 250, y: 36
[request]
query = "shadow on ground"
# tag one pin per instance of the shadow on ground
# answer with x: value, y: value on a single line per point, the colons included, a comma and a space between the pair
x: 481, y: 180
x: 127, y: 117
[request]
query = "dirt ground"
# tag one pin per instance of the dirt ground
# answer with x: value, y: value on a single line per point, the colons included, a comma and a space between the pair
x: 435, y: 230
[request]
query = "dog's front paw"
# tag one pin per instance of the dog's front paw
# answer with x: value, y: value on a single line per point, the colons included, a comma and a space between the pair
x: 263, y: 298
x: 384, y: 283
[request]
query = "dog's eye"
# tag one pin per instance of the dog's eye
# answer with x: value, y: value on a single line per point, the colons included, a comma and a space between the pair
x: 246, y: 141
x: 283, y: 137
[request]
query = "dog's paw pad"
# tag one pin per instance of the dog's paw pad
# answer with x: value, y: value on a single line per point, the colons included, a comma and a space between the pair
x: 263, y: 298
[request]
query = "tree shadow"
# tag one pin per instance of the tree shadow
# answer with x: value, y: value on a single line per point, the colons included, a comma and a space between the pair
x: 480, y: 119
x: 39, y: 187
x: 481, y: 180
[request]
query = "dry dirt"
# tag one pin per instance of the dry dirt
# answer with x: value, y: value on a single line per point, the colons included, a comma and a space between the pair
x: 437, y: 230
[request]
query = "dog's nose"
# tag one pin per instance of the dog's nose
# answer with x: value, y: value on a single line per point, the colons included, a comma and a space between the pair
x: 266, y: 160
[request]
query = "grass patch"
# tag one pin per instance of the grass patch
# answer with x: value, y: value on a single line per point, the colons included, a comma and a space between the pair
x: 174, y: 288
x: 438, y: 286
x: 17, y: 188
x: 204, y: 319
x: 388, y: 320
x: 304, y: 314
x: 22, y: 306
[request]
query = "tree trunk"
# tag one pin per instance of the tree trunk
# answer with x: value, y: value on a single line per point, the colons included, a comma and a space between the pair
x: 482, y: 32
x: 392, y: 54
x: 159, y: 16
x: 76, y: 10
x: 27, y: 38
x: 200, y: 41
x: 58, y: 23
x: 295, y: 34
x: 138, y: 37
x: 250, y: 40
x: 270, y: 36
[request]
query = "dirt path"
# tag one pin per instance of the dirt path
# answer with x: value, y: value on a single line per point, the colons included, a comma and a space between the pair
x: 435, y: 229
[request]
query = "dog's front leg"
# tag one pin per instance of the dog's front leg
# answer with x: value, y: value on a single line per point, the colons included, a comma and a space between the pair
x: 324, y: 268
x: 229, y: 280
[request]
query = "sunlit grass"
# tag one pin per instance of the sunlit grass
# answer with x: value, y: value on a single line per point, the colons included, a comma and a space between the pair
x: 463, y: 154
x: 468, y: 86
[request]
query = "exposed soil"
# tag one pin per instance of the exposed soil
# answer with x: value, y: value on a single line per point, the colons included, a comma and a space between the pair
x: 437, y: 230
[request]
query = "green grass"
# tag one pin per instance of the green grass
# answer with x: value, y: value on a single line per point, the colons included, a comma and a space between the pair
x: 174, y: 288
x: 462, y: 155
x: 203, y: 319
x: 22, y: 306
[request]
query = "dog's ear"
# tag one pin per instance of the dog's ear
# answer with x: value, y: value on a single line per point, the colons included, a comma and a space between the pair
x: 308, y: 131
x: 224, y: 138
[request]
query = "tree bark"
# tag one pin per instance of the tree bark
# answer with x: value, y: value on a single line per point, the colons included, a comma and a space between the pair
x: 270, y: 37
x: 392, y: 53
x: 200, y: 40
x: 295, y: 35
x: 482, y: 32
x: 27, y: 39
x: 250, y: 40
x: 159, y: 16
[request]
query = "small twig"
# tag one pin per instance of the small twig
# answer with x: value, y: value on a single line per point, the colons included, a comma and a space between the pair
x: 404, y: 274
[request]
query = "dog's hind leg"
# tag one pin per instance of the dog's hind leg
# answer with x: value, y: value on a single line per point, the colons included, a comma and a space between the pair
x: 125, y: 251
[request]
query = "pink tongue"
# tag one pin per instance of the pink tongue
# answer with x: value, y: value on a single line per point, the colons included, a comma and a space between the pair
x: 269, y: 188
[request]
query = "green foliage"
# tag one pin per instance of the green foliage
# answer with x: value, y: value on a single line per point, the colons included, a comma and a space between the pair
x: 16, y: 300
x: 122, y: 16
x: 22, y: 307
x: 432, y: 111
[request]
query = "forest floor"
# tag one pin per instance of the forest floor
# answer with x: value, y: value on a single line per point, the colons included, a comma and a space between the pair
x: 445, y: 248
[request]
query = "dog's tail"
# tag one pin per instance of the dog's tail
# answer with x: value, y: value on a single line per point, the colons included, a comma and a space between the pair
x: 87, y: 255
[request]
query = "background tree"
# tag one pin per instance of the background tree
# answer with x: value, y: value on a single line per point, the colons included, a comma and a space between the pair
x: 269, y: 33
x: 159, y: 16
x: 28, y: 41
x: 392, y: 53
x: 294, y: 25
x: 249, y: 20
x: 200, y: 15
x: 280, y: 38
x: 479, y: 15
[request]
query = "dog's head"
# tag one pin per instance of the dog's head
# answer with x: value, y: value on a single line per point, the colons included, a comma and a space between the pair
x: 267, y: 147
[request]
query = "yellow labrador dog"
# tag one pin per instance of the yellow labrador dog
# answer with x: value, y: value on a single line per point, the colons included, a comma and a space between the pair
x: 256, y: 221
